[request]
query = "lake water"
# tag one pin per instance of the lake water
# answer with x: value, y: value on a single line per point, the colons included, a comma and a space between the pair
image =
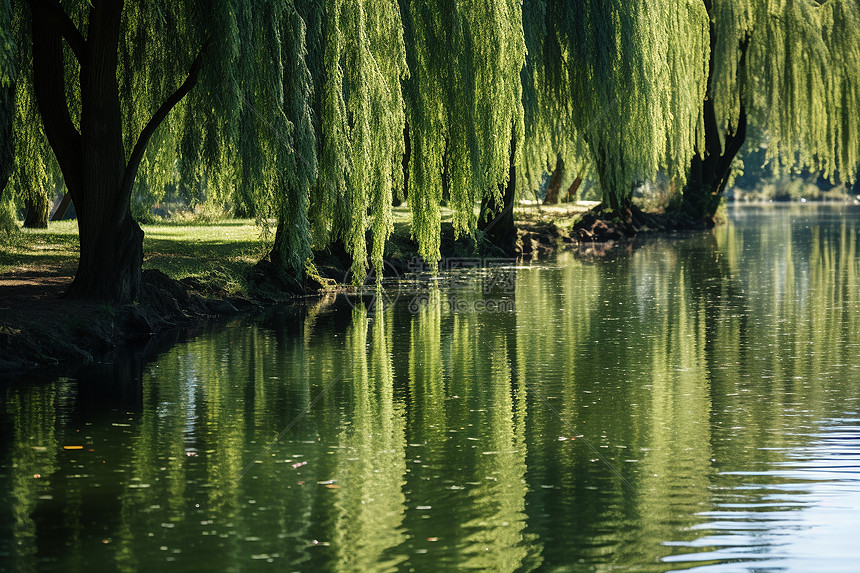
x: 691, y: 403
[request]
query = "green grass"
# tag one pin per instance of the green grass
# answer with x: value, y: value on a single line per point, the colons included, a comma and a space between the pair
x: 30, y: 249
x: 219, y: 253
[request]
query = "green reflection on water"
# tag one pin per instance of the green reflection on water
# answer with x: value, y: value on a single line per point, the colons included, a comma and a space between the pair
x: 599, y: 423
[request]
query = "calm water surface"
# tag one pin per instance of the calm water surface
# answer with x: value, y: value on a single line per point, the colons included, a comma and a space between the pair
x: 691, y: 404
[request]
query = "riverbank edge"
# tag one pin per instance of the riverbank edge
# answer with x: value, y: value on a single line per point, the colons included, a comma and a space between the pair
x: 79, y: 333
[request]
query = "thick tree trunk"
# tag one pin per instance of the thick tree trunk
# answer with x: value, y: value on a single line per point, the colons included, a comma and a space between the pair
x: 111, y: 241
x: 710, y: 169
x: 37, y: 211
x: 496, y: 219
x: 554, y: 184
x: 110, y: 266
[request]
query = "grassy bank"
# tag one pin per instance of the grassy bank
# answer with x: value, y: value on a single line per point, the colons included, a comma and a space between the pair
x: 219, y: 252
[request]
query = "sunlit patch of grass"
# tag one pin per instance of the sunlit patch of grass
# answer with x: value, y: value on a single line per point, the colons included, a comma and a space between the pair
x: 56, y: 246
x: 218, y: 253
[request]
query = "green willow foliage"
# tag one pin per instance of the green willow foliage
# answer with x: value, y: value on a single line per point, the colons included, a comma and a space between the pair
x: 464, y: 104
x: 799, y: 81
x: 550, y: 129
x: 277, y: 141
x: 303, y: 107
x: 355, y: 95
x: 636, y: 73
x: 805, y: 57
x: 363, y: 106
x: 35, y: 169
x: 8, y: 72
x: 7, y: 47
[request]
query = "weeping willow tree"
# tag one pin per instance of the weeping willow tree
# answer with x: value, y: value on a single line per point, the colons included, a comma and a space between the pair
x: 620, y: 57
x: 671, y: 86
x: 464, y: 109
x: 790, y: 67
x: 105, y: 76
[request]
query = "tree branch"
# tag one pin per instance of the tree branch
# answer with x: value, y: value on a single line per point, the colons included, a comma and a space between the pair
x: 49, y: 87
x: 156, y: 120
x: 54, y: 14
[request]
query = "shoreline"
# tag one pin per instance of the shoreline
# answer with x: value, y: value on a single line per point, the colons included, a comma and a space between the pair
x: 41, y: 330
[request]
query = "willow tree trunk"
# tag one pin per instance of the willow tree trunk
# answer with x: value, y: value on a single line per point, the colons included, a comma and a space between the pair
x: 398, y: 196
x: 554, y: 185
x: 574, y: 187
x: 496, y: 219
x: 711, y: 167
x: 37, y: 211
x: 93, y: 160
x: 611, y: 198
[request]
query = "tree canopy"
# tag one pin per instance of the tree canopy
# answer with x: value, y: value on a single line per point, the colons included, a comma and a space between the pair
x: 302, y: 111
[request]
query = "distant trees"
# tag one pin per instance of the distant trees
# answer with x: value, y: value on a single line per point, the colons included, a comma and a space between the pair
x: 301, y: 110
